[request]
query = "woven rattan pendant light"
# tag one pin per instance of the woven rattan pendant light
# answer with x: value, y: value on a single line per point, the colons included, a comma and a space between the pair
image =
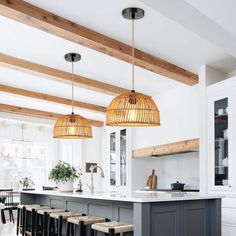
x: 72, y: 126
x: 132, y: 109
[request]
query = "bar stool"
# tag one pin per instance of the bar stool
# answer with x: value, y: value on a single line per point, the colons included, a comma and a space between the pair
x: 112, y: 228
x: 59, y: 217
x: 21, y: 218
x: 30, y: 213
x: 84, y: 223
x: 43, y: 214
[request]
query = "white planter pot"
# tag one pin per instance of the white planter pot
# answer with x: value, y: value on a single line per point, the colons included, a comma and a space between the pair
x: 66, y: 186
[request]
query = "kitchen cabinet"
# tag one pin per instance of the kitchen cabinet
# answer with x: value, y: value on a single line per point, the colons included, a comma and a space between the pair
x: 221, y: 158
x: 119, y: 158
x: 190, y: 218
x: 221, y: 139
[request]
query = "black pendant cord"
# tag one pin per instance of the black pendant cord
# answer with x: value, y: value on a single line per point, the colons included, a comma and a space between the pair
x: 72, y: 87
x: 133, y: 55
x: 133, y: 13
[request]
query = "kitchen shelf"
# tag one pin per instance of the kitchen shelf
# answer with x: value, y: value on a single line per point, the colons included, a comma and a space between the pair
x: 221, y: 119
x: 191, y: 145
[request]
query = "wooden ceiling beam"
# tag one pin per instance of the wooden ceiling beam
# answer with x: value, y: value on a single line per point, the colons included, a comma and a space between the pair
x: 36, y: 17
x: 50, y: 98
x: 38, y: 113
x: 59, y: 75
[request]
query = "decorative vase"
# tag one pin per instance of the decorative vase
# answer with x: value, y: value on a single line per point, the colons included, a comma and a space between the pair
x: 66, y: 186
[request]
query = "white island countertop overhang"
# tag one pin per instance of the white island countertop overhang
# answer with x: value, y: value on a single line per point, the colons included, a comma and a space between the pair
x: 135, y: 196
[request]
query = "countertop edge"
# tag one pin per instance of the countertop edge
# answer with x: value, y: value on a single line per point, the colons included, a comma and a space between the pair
x: 124, y: 197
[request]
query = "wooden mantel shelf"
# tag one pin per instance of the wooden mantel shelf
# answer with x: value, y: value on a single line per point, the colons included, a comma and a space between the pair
x: 191, y: 145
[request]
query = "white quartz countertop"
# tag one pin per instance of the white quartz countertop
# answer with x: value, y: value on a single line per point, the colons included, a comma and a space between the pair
x: 135, y: 196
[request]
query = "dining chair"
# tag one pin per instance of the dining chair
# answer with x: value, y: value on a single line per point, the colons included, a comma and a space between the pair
x: 6, y: 197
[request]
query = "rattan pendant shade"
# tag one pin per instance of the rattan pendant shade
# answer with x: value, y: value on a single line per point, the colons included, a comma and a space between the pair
x: 132, y: 109
x: 71, y: 127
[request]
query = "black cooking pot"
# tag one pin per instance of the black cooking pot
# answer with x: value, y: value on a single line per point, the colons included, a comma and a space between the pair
x: 177, y: 186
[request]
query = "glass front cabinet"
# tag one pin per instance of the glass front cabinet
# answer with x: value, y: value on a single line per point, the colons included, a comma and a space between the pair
x: 221, y: 137
x: 119, y: 158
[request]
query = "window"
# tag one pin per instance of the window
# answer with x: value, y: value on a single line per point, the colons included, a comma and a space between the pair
x: 21, y: 159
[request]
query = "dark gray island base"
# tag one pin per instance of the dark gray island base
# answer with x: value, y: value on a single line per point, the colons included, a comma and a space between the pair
x: 152, y: 215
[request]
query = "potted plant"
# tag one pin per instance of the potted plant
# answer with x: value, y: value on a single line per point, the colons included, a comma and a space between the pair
x: 27, y: 183
x: 64, y: 175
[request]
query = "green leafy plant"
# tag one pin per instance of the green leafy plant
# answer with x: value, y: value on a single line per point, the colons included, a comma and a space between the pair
x: 27, y: 182
x: 64, y: 172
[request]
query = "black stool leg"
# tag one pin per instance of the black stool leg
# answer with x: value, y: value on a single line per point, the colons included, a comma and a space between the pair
x: 82, y: 229
x: 23, y: 221
x: 49, y: 226
x: 67, y: 229
x: 26, y: 222
x: 59, y: 228
x: 73, y: 230
x: 111, y: 232
x: 45, y: 222
x: 36, y: 224
x: 33, y: 221
x: 18, y: 221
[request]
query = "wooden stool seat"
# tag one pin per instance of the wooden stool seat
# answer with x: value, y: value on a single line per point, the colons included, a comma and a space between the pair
x: 48, y: 211
x: 36, y: 208
x: 64, y: 215
x: 22, y: 206
x: 88, y: 220
x: 115, y: 226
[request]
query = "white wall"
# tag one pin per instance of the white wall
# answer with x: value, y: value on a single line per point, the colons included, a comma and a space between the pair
x: 180, y: 112
x: 92, y: 152
x: 169, y: 169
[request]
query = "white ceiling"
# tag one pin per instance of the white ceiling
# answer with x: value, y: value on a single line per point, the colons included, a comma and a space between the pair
x: 155, y: 34
x: 222, y: 12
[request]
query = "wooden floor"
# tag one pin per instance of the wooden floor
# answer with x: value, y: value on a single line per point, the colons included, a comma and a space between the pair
x: 8, y: 229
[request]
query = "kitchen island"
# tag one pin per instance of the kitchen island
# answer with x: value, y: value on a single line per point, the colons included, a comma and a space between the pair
x: 153, y: 214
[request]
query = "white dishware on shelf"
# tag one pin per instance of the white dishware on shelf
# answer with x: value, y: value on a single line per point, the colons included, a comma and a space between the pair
x: 220, y: 112
x: 225, y: 161
x: 225, y: 133
x: 225, y: 182
x: 226, y: 110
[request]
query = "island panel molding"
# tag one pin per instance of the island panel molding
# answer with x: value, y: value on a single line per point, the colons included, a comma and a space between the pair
x: 39, y: 113
x: 191, y: 145
x: 41, y: 19
x: 50, y: 98
x: 59, y: 75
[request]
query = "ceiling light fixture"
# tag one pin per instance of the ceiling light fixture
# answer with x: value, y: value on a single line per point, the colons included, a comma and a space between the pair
x: 72, y: 126
x: 132, y: 109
